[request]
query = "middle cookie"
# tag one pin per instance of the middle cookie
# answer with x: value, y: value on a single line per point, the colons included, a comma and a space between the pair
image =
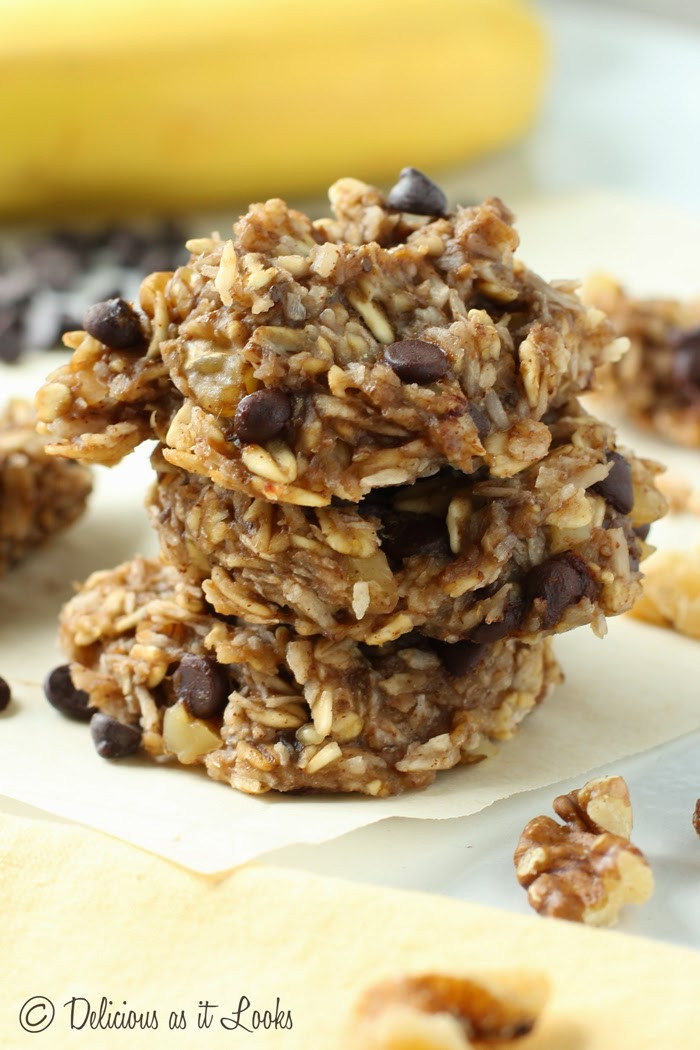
x: 458, y: 556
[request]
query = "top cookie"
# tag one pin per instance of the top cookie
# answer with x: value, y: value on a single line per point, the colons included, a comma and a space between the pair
x: 301, y: 361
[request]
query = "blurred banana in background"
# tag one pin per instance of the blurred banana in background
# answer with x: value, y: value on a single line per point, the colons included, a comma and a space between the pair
x: 118, y: 106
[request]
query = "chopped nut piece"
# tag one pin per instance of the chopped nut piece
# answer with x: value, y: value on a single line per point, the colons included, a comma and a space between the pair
x: 605, y: 801
x: 696, y: 817
x: 679, y: 493
x: 188, y: 738
x: 586, y: 869
x: 671, y: 595
x: 445, y: 1012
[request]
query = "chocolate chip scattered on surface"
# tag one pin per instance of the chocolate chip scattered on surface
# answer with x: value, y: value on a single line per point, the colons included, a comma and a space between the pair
x: 5, y: 694
x: 63, y: 695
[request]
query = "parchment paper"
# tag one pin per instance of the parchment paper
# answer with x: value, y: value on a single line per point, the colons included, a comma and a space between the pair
x: 152, y: 938
x: 629, y: 692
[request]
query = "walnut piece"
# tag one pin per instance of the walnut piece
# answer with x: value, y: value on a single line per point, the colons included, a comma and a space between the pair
x: 585, y: 869
x: 446, y: 1012
x: 679, y: 492
x: 671, y: 595
x: 696, y: 817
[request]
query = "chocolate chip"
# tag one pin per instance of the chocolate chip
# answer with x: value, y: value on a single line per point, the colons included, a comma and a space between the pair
x: 62, y: 694
x: 558, y: 583
x: 262, y: 416
x: 11, y: 333
x: 685, y: 369
x: 487, y: 633
x: 417, y: 194
x: 480, y: 420
x: 202, y: 684
x: 54, y: 265
x: 289, y: 739
x: 406, y: 535
x: 114, y: 739
x: 642, y: 531
x: 459, y: 658
x: 616, y: 489
x: 5, y: 694
x: 416, y: 361
x: 114, y: 323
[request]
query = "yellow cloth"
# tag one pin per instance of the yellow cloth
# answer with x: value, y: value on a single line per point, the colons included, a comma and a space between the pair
x: 87, y: 917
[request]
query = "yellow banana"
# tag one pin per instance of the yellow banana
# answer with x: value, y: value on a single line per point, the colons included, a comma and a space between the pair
x: 163, y: 104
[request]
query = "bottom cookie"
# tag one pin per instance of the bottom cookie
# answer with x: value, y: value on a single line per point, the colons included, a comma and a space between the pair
x: 265, y: 709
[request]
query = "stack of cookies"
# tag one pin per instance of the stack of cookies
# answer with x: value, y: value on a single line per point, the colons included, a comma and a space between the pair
x: 376, y: 495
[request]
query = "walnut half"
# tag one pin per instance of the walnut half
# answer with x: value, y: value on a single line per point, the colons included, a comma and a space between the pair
x: 447, y: 1012
x: 585, y: 869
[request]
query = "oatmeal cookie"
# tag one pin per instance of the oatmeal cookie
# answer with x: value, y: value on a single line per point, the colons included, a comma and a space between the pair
x: 299, y: 361
x: 657, y: 382
x: 263, y: 708
x: 456, y: 556
x: 40, y: 494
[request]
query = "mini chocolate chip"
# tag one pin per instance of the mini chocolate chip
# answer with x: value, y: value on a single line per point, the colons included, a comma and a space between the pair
x: 642, y: 531
x: 459, y: 658
x: 417, y: 194
x: 114, y: 323
x: 416, y: 361
x: 480, y: 420
x: 202, y: 685
x: 289, y: 739
x: 62, y: 694
x: 5, y: 694
x: 616, y: 489
x: 487, y: 633
x: 408, y: 534
x: 114, y: 739
x: 685, y: 369
x: 559, y: 582
x: 262, y: 416
x: 11, y: 332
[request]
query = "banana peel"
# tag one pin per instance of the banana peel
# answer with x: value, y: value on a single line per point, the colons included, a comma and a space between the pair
x: 128, y: 105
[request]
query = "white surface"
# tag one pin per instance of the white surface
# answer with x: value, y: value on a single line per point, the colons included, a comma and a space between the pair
x: 471, y: 858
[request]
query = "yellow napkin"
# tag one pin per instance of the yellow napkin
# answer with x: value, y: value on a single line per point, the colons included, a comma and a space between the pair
x: 87, y: 918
